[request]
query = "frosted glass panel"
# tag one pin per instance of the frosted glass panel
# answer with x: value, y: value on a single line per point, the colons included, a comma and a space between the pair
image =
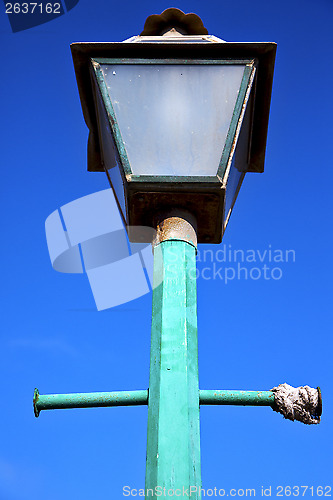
x: 239, y: 165
x: 173, y: 118
x: 232, y: 186
x: 109, y: 152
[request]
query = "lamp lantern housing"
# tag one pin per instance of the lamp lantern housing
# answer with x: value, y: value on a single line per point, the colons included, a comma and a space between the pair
x: 176, y: 121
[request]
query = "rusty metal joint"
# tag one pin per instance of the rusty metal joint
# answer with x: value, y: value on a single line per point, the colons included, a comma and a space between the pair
x: 176, y: 225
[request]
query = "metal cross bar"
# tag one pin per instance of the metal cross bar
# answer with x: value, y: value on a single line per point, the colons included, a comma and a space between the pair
x: 88, y: 400
x: 136, y: 398
x: 244, y: 398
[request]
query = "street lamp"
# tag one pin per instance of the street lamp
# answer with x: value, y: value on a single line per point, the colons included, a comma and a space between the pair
x: 176, y: 118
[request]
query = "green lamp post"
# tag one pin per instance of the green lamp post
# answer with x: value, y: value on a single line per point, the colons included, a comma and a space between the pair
x: 176, y: 119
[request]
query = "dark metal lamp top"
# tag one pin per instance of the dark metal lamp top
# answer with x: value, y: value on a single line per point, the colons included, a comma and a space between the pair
x: 186, y: 24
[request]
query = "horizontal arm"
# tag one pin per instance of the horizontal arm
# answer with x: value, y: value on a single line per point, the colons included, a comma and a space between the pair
x: 300, y: 403
x: 88, y: 400
x: 134, y: 398
x: 243, y: 398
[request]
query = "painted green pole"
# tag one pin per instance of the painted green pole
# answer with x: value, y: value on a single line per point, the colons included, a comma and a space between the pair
x: 173, y: 438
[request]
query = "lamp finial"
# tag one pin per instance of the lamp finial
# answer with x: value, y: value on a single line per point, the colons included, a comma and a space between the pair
x: 186, y: 24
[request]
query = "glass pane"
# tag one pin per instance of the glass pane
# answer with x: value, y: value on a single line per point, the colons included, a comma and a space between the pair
x: 239, y: 165
x: 232, y: 187
x: 173, y: 118
x: 109, y: 153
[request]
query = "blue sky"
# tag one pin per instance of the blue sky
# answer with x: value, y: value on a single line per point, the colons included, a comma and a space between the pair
x: 253, y: 334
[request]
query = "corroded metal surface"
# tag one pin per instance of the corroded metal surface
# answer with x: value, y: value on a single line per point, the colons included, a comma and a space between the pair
x: 176, y: 225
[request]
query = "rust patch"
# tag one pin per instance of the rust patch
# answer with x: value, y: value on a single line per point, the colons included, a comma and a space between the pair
x: 176, y: 225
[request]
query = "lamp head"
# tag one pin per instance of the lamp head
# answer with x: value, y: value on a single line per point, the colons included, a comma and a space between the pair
x: 176, y: 120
